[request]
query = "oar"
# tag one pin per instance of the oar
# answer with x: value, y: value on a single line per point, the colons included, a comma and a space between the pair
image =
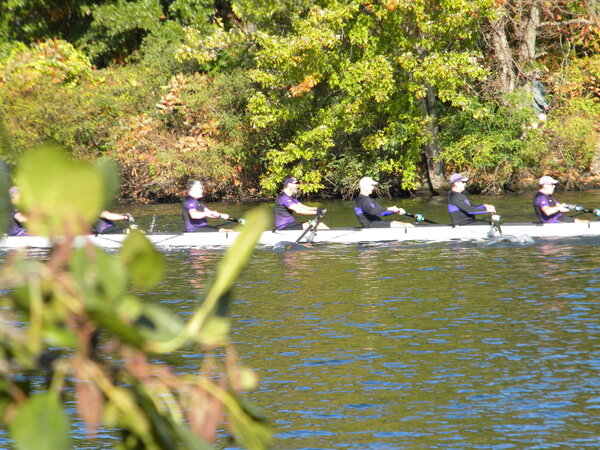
x: 582, y: 209
x: 231, y: 219
x: 312, y: 225
x: 419, y: 218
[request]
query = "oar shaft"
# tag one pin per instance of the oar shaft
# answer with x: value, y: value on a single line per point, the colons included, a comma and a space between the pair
x: 313, y: 224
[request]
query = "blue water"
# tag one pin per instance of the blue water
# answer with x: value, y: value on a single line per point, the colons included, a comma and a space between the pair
x: 446, y: 345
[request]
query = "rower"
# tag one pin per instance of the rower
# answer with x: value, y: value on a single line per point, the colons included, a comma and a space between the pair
x: 195, y: 214
x: 459, y: 207
x: 17, y: 219
x: 546, y: 208
x: 106, y: 222
x: 286, y: 205
x: 369, y: 212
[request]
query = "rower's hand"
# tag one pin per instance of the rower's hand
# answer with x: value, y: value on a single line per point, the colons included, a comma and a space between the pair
x: 321, y: 211
x: 490, y: 208
x: 224, y: 216
x: 563, y: 207
x: 401, y: 211
x: 129, y: 218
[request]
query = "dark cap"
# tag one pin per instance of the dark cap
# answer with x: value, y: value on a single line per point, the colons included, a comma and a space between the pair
x: 290, y: 179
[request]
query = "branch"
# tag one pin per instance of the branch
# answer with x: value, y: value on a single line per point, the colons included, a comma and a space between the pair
x: 567, y: 23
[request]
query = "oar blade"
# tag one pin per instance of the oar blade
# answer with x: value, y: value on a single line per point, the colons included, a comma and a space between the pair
x: 286, y: 246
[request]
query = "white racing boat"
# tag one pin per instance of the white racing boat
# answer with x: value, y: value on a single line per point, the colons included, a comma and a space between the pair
x: 421, y: 232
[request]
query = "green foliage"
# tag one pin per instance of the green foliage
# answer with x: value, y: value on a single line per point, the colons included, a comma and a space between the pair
x: 242, y: 93
x: 583, y: 80
x: 29, y: 21
x: 571, y: 137
x: 44, y: 414
x: 55, y: 59
x: 343, y: 84
x: 193, y: 133
x: 493, y: 143
x: 54, y: 312
x: 151, y: 29
x: 153, y: 131
x: 56, y: 204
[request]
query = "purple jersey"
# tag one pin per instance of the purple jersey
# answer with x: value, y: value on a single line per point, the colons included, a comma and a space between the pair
x: 284, y: 216
x: 191, y: 225
x: 461, y: 211
x: 102, y: 225
x: 14, y: 226
x: 542, y: 200
x: 368, y: 211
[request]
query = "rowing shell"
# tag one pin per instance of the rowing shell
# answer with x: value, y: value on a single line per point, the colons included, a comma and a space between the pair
x: 431, y: 233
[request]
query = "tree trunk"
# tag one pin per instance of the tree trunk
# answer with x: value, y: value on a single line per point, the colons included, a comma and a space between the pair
x: 432, y: 149
x: 503, y: 55
x: 528, y: 33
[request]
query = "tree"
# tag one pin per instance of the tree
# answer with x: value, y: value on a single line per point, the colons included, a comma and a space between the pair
x: 513, y: 37
x: 352, y: 89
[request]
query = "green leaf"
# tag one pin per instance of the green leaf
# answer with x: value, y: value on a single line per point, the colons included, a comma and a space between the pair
x: 101, y: 278
x: 214, y: 303
x: 249, y: 426
x: 58, y: 195
x: 215, y: 299
x: 105, y: 317
x: 157, y: 324
x: 109, y: 171
x: 41, y: 423
x: 144, y: 262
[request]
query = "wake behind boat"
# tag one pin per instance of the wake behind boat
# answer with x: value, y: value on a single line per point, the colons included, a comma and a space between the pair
x: 350, y: 235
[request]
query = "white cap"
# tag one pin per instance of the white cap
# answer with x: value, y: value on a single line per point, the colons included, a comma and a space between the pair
x: 546, y: 179
x: 457, y: 177
x: 366, y: 182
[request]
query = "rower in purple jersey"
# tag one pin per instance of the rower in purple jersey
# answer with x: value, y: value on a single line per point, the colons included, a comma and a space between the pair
x: 16, y: 224
x: 546, y: 208
x: 106, y: 222
x: 459, y: 207
x: 286, y: 204
x: 195, y: 214
x: 369, y: 212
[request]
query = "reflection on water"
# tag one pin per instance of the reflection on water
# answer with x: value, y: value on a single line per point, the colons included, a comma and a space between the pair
x: 460, y: 345
x: 417, y: 346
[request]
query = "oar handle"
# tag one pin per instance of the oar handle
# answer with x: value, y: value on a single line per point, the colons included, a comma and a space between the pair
x: 232, y: 219
x: 419, y: 218
x: 580, y: 208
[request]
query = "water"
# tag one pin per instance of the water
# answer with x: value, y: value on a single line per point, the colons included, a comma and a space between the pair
x: 446, y: 345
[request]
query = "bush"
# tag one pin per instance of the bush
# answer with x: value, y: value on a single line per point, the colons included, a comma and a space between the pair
x: 492, y: 143
x: 193, y: 133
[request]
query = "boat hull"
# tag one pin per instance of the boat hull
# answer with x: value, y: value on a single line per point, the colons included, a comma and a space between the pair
x: 429, y: 233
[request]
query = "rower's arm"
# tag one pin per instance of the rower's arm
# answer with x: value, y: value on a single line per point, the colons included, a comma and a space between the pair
x: 113, y: 216
x: 549, y: 210
x: 303, y: 209
x: 209, y: 214
x: 20, y: 217
x: 464, y: 205
x: 374, y: 209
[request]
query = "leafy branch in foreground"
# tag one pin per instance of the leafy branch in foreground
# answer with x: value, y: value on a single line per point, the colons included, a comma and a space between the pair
x: 71, y: 330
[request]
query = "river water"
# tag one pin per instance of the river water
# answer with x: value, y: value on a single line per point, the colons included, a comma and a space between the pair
x: 412, y: 345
